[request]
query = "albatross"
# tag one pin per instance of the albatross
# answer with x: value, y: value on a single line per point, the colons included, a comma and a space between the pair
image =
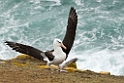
x: 60, y: 50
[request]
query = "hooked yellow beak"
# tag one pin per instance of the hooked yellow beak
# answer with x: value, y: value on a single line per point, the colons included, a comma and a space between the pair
x: 62, y: 45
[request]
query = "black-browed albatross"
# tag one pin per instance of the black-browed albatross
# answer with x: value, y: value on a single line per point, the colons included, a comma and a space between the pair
x: 61, y: 48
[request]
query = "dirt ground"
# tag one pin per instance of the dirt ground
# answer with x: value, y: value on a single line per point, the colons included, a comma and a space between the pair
x: 26, y: 70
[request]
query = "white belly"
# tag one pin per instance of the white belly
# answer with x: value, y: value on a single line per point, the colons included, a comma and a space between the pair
x: 59, y: 58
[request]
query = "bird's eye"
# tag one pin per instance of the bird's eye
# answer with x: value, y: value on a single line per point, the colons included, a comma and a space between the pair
x: 59, y: 41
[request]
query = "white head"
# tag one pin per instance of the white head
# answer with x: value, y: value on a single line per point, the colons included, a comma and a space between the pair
x: 58, y: 43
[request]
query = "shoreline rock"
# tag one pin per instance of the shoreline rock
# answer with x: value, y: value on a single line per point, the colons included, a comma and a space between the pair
x: 25, y: 60
x: 25, y: 69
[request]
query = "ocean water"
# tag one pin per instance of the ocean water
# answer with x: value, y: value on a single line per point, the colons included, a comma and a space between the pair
x: 99, y: 42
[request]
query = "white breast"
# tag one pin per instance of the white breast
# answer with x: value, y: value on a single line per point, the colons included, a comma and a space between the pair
x: 59, y: 57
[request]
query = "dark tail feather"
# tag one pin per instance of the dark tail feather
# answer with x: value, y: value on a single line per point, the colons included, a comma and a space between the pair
x: 25, y: 49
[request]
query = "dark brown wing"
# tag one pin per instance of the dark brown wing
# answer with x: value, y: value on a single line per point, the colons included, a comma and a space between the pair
x: 71, y: 30
x: 25, y: 49
x: 68, y: 40
x: 49, y: 55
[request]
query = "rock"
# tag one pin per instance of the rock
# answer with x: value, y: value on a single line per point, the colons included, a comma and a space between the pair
x: 25, y: 60
x: 104, y: 72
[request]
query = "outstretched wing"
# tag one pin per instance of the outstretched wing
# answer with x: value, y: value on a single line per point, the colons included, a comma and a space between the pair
x: 68, y: 41
x: 25, y: 49
x: 71, y: 30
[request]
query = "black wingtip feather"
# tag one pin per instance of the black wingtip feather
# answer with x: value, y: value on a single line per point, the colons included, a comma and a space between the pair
x: 25, y: 49
x: 71, y: 30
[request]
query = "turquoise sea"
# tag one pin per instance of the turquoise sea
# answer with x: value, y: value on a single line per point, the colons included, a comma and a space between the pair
x: 99, y: 43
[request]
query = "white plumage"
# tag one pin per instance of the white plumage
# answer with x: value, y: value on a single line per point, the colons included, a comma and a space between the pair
x: 59, y: 55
